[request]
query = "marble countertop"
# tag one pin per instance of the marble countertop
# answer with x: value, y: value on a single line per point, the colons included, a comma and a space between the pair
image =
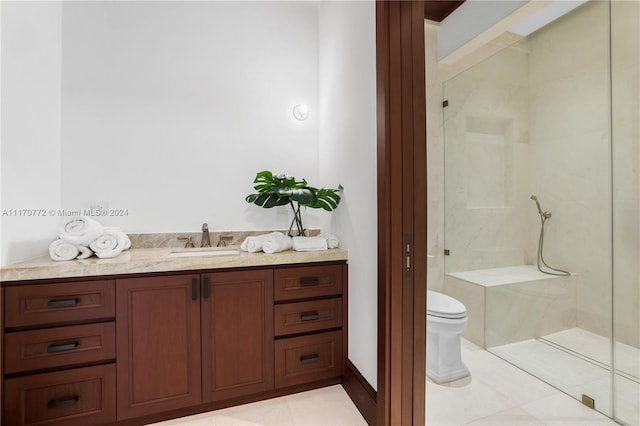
x: 157, y: 260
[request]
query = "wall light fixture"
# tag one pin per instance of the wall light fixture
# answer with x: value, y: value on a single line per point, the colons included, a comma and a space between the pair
x: 301, y: 112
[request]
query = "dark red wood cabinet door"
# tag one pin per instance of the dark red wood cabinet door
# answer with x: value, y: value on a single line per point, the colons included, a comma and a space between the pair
x: 237, y: 333
x: 158, y: 344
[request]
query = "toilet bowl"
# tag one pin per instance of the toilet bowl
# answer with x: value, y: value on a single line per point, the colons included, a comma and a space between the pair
x: 446, y: 318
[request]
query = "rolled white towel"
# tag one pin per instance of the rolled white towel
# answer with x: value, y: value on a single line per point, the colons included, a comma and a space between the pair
x: 309, y: 243
x: 276, y: 242
x: 110, y: 243
x: 332, y: 240
x: 252, y: 244
x: 85, y: 252
x: 60, y: 250
x: 79, y: 230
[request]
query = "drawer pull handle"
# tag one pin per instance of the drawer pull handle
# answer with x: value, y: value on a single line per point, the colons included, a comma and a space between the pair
x: 309, y: 316
x: 309, y: 359
x: 308, y: 282
x: 62, y: 348
x: 63, y: 402
x: 194, y: 289
x: 62, y: 303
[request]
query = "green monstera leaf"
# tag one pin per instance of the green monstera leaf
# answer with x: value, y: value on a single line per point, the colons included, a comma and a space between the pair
x: 279, y: 190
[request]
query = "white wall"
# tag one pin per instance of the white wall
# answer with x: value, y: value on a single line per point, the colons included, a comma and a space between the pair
x: 30, y: 120
x: 165, y: 109
x: 348, y: 155
x: 170, y: 108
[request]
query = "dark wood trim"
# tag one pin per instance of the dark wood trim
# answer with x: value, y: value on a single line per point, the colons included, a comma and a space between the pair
x: 401, y: 120
x: 360, y: 391
x: 419, y: 197
x: 437, y: 10
x: 383, y: 153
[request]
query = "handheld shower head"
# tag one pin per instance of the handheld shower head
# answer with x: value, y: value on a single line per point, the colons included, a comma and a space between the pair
x: 534, y: 198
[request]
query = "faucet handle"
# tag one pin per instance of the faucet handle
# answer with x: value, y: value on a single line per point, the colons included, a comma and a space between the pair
x: 224, y: 240
x: 189, y: 243
x: 205, y: 227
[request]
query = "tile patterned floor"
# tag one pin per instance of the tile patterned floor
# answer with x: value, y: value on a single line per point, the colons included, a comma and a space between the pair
x: 326, y: 406
x: 577, y: 362
x: 496, y: 394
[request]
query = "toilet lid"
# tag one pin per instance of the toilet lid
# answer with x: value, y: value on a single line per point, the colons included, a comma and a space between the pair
x: 443, y: 306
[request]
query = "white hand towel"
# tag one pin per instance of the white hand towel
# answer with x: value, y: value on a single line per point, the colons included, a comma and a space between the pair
x: 110, y: 243
x: 332, y: 240
x: 252, y: 244
x: 60, y: 250
x: 276, y: 242
x: 79, y: 230
x: 309, y: 243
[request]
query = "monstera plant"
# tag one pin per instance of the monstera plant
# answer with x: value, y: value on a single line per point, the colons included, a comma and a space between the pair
x: 280, y: 190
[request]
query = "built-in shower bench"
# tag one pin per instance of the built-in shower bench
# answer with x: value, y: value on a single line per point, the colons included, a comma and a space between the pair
x: 513, y: 303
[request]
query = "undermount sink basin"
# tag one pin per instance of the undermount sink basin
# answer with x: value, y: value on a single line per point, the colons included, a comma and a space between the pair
x: 209, y: 251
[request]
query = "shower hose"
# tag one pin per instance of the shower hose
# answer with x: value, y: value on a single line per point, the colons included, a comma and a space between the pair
x: 559, y: 272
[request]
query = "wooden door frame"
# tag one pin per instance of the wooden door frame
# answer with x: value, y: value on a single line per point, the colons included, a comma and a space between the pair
x: 402, y: 207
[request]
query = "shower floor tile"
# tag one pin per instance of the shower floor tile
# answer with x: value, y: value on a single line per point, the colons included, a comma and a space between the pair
x: 576, y: 361
x: 597, y: 347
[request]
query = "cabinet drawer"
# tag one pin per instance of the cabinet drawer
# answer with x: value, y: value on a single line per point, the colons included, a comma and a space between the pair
x: 302, y: 317
x: 308, y: 358
x: 59, y: 303
x: 308, y: 281
x: 56, y: 347
x: 83, y: 396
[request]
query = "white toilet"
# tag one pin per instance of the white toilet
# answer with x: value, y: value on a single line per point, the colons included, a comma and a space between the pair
x: 446, y: 318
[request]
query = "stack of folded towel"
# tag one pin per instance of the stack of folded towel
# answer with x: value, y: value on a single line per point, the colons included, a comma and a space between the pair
x: 81, y: 237
x: 269, y: 243
x: 276, y: 242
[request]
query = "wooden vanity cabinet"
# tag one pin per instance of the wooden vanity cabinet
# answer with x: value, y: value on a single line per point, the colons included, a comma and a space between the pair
x: 145, y: 347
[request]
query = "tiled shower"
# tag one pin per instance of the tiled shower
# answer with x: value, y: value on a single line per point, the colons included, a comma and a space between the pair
x: 554, y: 115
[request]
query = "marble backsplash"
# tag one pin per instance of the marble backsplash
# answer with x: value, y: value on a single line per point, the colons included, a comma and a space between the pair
x: 171, y: 240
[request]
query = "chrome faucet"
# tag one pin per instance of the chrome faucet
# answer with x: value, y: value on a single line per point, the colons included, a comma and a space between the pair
x: 206, y: 241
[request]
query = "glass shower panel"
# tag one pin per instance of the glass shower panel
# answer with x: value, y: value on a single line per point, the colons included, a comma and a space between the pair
x: 528, y: 147
x: 625, y: 97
